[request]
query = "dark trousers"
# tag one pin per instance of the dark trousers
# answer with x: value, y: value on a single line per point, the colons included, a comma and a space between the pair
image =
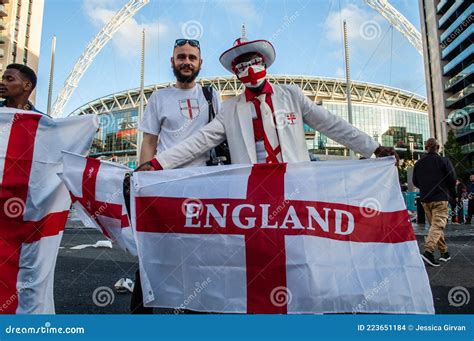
x: 136, y: 305
x: 470, y: 211
x: 457, y: 211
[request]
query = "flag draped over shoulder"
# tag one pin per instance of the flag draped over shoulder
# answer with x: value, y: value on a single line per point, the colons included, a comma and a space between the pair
x: 324, y: 237
x: 34, y: 204
x: 96, y: 189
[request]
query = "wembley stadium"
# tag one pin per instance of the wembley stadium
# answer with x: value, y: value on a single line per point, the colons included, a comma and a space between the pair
x: 393, y: 117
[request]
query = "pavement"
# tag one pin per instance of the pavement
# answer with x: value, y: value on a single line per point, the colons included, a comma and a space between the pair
x: 80, y: 272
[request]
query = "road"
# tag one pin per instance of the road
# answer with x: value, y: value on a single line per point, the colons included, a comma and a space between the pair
x: 80, y: 272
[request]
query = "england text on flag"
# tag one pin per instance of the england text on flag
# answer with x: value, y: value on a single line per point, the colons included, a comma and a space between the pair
x: 96, y: 189
x: 34, y: 204
x: 326, y: 237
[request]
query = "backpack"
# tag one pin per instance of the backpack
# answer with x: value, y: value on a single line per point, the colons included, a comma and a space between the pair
x: 219, y: 155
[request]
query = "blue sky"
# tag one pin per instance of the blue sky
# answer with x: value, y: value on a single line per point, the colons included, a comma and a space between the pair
x: 306, y: 35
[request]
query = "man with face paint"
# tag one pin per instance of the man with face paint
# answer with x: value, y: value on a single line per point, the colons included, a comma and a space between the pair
x: 265, y: 124
x: 175, y: 113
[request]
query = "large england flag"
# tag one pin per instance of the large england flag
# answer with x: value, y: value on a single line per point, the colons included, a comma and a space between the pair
x: 96, y: 189
x: 34, y: 204
x: 321, y: 237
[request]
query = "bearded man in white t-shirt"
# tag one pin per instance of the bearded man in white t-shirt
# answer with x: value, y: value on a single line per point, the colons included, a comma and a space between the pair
x: 175, y: 113
x: 172, y: 115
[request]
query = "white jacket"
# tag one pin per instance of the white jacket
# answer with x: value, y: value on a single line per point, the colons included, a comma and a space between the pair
x: 234, y: 123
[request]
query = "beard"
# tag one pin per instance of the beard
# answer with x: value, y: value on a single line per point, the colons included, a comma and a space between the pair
x: 185, y: 78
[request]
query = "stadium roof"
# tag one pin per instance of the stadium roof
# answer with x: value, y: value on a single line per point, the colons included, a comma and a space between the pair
x: 318, y: 89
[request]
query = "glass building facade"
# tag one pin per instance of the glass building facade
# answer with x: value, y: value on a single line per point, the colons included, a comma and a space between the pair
x: 391, y: 116
x: 392, y: 127
x: 448, y: 33
x: 116, y: 138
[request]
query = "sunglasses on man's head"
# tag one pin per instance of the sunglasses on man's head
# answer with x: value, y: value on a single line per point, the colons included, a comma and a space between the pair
x: 192, y: 42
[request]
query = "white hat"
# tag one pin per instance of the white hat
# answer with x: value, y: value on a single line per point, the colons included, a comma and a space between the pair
x: 242, y: 46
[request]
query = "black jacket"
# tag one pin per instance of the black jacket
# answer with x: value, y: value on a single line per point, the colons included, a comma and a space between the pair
x: 434, y: 175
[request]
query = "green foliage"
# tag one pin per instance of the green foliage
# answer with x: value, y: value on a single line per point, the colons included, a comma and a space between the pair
x: 402, y: 169
x: 453, y: 151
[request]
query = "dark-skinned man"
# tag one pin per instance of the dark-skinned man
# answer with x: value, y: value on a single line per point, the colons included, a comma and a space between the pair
x: 18, y: 82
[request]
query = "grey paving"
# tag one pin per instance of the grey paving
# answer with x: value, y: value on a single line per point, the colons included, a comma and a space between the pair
x: 80, y: 272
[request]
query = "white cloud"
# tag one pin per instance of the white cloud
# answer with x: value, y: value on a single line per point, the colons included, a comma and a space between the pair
x: 340, y: 73
x: 243, y: 8
x: 127, y: 40
x: 363, y: 25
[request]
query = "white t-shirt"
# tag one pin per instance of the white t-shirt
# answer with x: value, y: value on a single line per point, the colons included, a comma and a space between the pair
x: 259, y: 145
x: 175, y: 114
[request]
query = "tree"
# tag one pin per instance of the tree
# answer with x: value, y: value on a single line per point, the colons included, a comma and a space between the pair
x: 403, y: 168
x: 453, y: 151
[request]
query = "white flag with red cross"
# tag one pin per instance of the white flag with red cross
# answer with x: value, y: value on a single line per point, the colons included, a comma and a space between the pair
x: 96, y: 189
x: 34, y: 204
x: 324, y: 237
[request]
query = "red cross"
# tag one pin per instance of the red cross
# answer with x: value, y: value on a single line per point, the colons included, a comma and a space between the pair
x: 265, y: 248
x: 272, y: 154
x: 189, y: 107
x: 14, y: 230
x: 94, y: 207
x: 291, y: 117
x: 253, y: 77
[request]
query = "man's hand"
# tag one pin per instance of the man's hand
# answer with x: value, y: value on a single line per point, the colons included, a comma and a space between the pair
x: 387, y: 151
x: 151, y: 165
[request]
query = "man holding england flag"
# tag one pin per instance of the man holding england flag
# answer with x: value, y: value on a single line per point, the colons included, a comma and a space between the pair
x: 34, y: 204
x: 265, y: 124
x: 271, y: 233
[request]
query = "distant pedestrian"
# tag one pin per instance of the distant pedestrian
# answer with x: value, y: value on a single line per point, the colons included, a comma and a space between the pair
x: 434, y: 175
x: 461, y: 194
x: 470, y: 197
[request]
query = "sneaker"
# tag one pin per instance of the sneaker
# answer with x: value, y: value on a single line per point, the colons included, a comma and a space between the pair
x: 445, y: 257
x: 429, y: 259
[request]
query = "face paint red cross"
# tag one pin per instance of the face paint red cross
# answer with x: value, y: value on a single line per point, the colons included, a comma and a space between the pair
x: 14, y: 229
x: 93, y: 206
x: 265, y: 248
x: 252, y: 76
